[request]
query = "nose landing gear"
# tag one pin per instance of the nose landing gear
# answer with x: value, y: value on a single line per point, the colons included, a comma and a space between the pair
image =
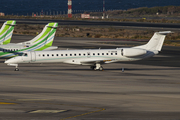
x: 16, y: 69
x: 16, y: 65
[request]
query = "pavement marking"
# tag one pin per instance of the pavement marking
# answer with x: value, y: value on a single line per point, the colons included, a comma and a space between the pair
x: 101, y: 109
x: 31, y: 99
x: 4, y: 103
x: 47, y: 111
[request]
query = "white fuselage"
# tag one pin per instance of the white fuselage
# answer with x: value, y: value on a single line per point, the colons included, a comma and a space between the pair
x: 80, y: 57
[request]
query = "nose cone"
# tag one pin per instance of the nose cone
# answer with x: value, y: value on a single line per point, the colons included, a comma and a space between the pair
x: 13, y: 60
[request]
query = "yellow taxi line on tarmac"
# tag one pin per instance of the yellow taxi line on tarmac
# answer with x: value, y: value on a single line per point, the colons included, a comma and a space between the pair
x: 4, y: 103
x: 101, y: 109
x: 32, y: 99
x: 47, y: 111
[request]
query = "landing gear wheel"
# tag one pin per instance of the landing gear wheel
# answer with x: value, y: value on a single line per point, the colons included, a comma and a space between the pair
x: 101, y: 68
x: 93, y: 67
x: 16, y: 69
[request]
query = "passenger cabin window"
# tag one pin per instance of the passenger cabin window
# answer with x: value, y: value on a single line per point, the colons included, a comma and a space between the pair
x: 57, y: 55
x: 52, y: 54
x: 111, y: 53
x: 74, y: 54
x: 66, y: 54
x: 102, y: 53
x: 106, y: 53
x: 43, y: 55
x: 115, y: 53
x: 79, y: 54
x: 61, y: 54
x: 48, y: 55
x: 70, y: 54
x: 98, y: 53
x: 93, y: 53
x: 84, y: 54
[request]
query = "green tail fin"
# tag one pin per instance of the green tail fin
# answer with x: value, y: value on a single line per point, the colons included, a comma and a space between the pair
x: 6, y: 32
x: 43, y: 40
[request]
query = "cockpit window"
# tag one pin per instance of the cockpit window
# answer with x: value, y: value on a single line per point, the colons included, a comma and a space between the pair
x: 21, y: 54
x: 25, y: 54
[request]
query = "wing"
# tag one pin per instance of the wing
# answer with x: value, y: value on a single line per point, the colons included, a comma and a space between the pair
x: 95, y: 61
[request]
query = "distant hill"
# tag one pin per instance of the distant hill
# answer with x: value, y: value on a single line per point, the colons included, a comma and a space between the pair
x: 166, y: 10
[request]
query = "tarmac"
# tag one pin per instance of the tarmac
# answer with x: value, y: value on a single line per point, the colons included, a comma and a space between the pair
x: 146, y: 90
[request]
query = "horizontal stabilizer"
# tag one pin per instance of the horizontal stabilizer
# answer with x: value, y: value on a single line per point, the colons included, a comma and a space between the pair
x: 11, y: 24
x: 52, y: 26
x: 165, y: 32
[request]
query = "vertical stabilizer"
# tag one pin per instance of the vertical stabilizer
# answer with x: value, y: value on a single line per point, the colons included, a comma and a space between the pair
x: 6, y: 32
x: 44, y: 40
x: 156, y: 42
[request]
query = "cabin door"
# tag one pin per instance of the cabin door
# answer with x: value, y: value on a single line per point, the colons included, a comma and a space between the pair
x: 33, y: 56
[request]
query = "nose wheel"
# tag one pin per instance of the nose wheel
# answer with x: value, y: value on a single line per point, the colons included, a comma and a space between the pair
x: 16, y: 69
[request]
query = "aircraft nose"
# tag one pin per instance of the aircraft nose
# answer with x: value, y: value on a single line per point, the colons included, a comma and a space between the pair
x: 12, y: 60
x: 9, y: 61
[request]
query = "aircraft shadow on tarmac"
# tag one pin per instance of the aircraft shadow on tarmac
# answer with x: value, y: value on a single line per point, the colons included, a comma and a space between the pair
x: 115, y: 69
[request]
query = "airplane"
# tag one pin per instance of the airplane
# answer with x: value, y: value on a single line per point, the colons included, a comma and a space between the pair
x: 93, y: 57
x: 43, y: 41
x: 6, y: 32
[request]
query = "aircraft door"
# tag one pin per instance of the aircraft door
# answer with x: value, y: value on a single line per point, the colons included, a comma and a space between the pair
x: 33, y: 56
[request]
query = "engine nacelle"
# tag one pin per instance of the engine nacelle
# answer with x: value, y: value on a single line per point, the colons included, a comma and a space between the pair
x: 132, y: 52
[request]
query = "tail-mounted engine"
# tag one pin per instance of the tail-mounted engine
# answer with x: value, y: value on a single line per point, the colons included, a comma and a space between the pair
x: 132, y: 52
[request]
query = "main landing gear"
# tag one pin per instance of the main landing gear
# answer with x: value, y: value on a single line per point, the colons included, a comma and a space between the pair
x: 97, y: 67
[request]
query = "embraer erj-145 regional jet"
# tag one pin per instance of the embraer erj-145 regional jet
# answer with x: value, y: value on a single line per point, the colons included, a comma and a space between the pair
x: 6, y: 32
x: 41, y: 42
x: 94, y: 58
